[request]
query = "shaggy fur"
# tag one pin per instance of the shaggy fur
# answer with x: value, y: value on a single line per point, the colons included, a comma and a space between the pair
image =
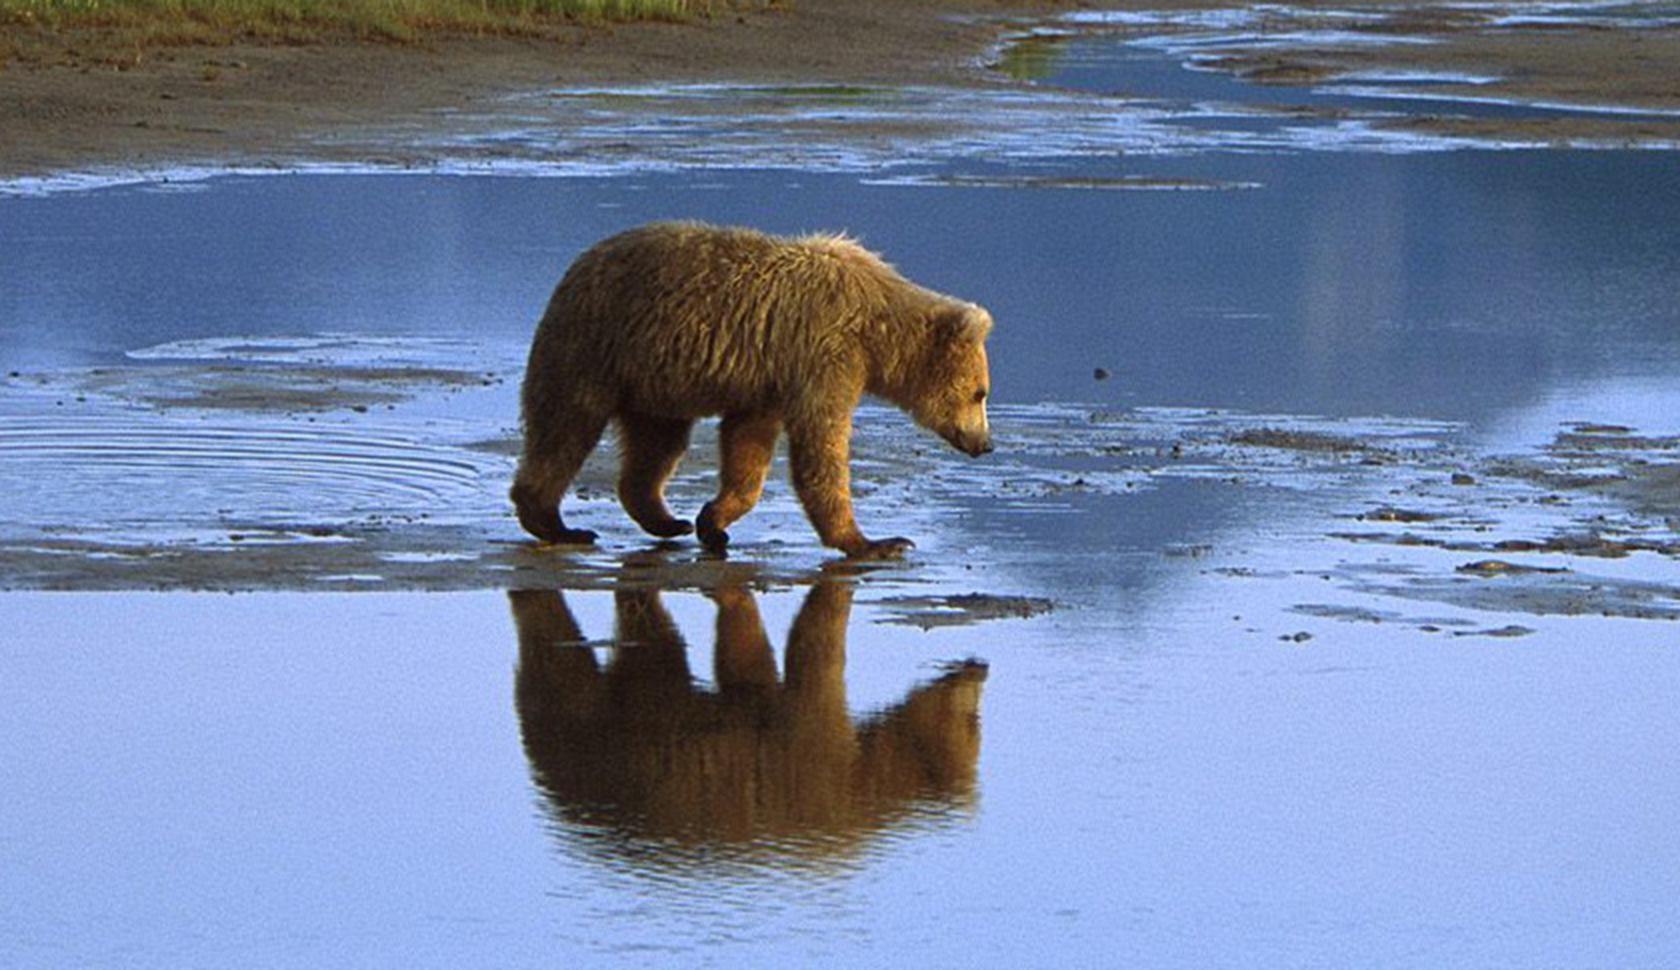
x: 671, y: 322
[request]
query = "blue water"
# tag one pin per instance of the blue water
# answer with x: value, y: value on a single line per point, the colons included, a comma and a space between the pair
x: 1453, y: 286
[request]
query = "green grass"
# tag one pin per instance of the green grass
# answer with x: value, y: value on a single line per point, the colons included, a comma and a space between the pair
x: 1028, y: 59
x: 146, y: 22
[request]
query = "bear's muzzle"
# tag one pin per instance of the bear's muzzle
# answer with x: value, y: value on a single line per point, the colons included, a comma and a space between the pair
x: 970, y: 444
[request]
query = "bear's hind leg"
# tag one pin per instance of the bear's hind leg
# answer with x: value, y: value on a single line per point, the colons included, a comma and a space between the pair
x: 747, y: 443
x: 554, y: 451
x: 650, y: 449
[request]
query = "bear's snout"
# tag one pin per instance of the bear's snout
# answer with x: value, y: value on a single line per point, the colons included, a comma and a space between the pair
x: 971, y: 445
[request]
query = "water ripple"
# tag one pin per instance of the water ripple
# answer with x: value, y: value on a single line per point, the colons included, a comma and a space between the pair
x: 125, y: 461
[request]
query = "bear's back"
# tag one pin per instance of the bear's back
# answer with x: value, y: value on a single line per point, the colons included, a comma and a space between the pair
x: 701, y: 305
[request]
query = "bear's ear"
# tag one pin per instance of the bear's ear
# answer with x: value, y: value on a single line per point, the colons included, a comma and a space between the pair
x: 966, y: 322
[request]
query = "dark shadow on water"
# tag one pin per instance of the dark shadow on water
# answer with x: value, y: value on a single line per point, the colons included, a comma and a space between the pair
x: 641, y: 766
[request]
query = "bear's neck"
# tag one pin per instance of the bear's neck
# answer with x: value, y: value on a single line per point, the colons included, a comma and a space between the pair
x: 896, y: 351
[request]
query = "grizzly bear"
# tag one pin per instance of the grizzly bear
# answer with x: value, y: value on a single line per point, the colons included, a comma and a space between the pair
x: 670, y: 322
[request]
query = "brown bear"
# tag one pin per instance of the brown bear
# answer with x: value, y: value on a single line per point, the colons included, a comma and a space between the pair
x: 670, y: 322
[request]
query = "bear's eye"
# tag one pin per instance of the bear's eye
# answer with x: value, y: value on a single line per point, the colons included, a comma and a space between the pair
x: 980, y: 396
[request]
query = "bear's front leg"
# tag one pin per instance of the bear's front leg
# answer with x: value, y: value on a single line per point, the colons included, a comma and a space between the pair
x: 820, y: 455
x: 742, y: 660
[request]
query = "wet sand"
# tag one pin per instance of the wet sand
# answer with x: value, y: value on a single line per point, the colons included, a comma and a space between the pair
x: 251, y: 105
x: 350, y: 103
x: 1585, y: 525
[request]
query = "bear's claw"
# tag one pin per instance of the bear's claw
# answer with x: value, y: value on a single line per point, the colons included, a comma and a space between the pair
x: 893, y: 548
x: 542, y: 519
x: 715, y: 540
x: 705, y: 526
x: 670, y: 528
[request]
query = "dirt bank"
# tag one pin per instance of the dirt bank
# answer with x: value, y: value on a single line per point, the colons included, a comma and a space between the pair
x: 251, y: 103
x: 75, y: 105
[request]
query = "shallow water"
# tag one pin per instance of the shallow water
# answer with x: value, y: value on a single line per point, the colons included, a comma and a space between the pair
x: 375, y: 779
x: 1272, y: 57
x: 1453, y: 286
x: 1155, y: 67
x: 1312, y: 635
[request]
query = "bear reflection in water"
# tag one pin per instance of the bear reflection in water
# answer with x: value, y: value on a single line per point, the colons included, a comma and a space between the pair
x: 635, y: 758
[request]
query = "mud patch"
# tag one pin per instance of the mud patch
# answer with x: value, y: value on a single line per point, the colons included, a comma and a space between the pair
x: 1131, y: 183
x: 278, y: 375
x: 1298, y: 440
x: 1596, y: 492
x: 1585, y: 525
x: 1534, y: 591
x: 1499, y: 567
x: 1347, y: 613
x: 1508, y: 632
x: 963, y: 609
x: 258, y: 388
x: 1267, y: 69
x: 1390, y: 514
x: 1499, y: 75
x: 1641, y: 471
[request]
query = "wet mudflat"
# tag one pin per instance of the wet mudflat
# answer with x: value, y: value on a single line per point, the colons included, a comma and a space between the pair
x: 1335, y: 625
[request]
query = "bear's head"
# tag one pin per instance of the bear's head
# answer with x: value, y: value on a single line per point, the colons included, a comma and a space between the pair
x: 953, y: 383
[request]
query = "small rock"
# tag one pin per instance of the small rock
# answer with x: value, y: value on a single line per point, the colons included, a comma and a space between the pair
x: 1298, y: 637
x: 1504, y: 633
x: 1388, y: 513
x: 1499, y: 567
x: 1101, y: 374
x: 1460, y: 478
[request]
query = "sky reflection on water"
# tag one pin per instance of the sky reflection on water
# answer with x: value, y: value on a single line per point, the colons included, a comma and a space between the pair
x: 1454, y: 286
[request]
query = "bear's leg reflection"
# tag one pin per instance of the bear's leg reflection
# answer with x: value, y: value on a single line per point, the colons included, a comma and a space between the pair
x: 742, y: 659
x: 648, y: 678
x: 636, y: 760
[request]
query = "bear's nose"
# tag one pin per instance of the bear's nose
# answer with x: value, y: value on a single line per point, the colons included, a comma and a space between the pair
x: 984, y: 448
